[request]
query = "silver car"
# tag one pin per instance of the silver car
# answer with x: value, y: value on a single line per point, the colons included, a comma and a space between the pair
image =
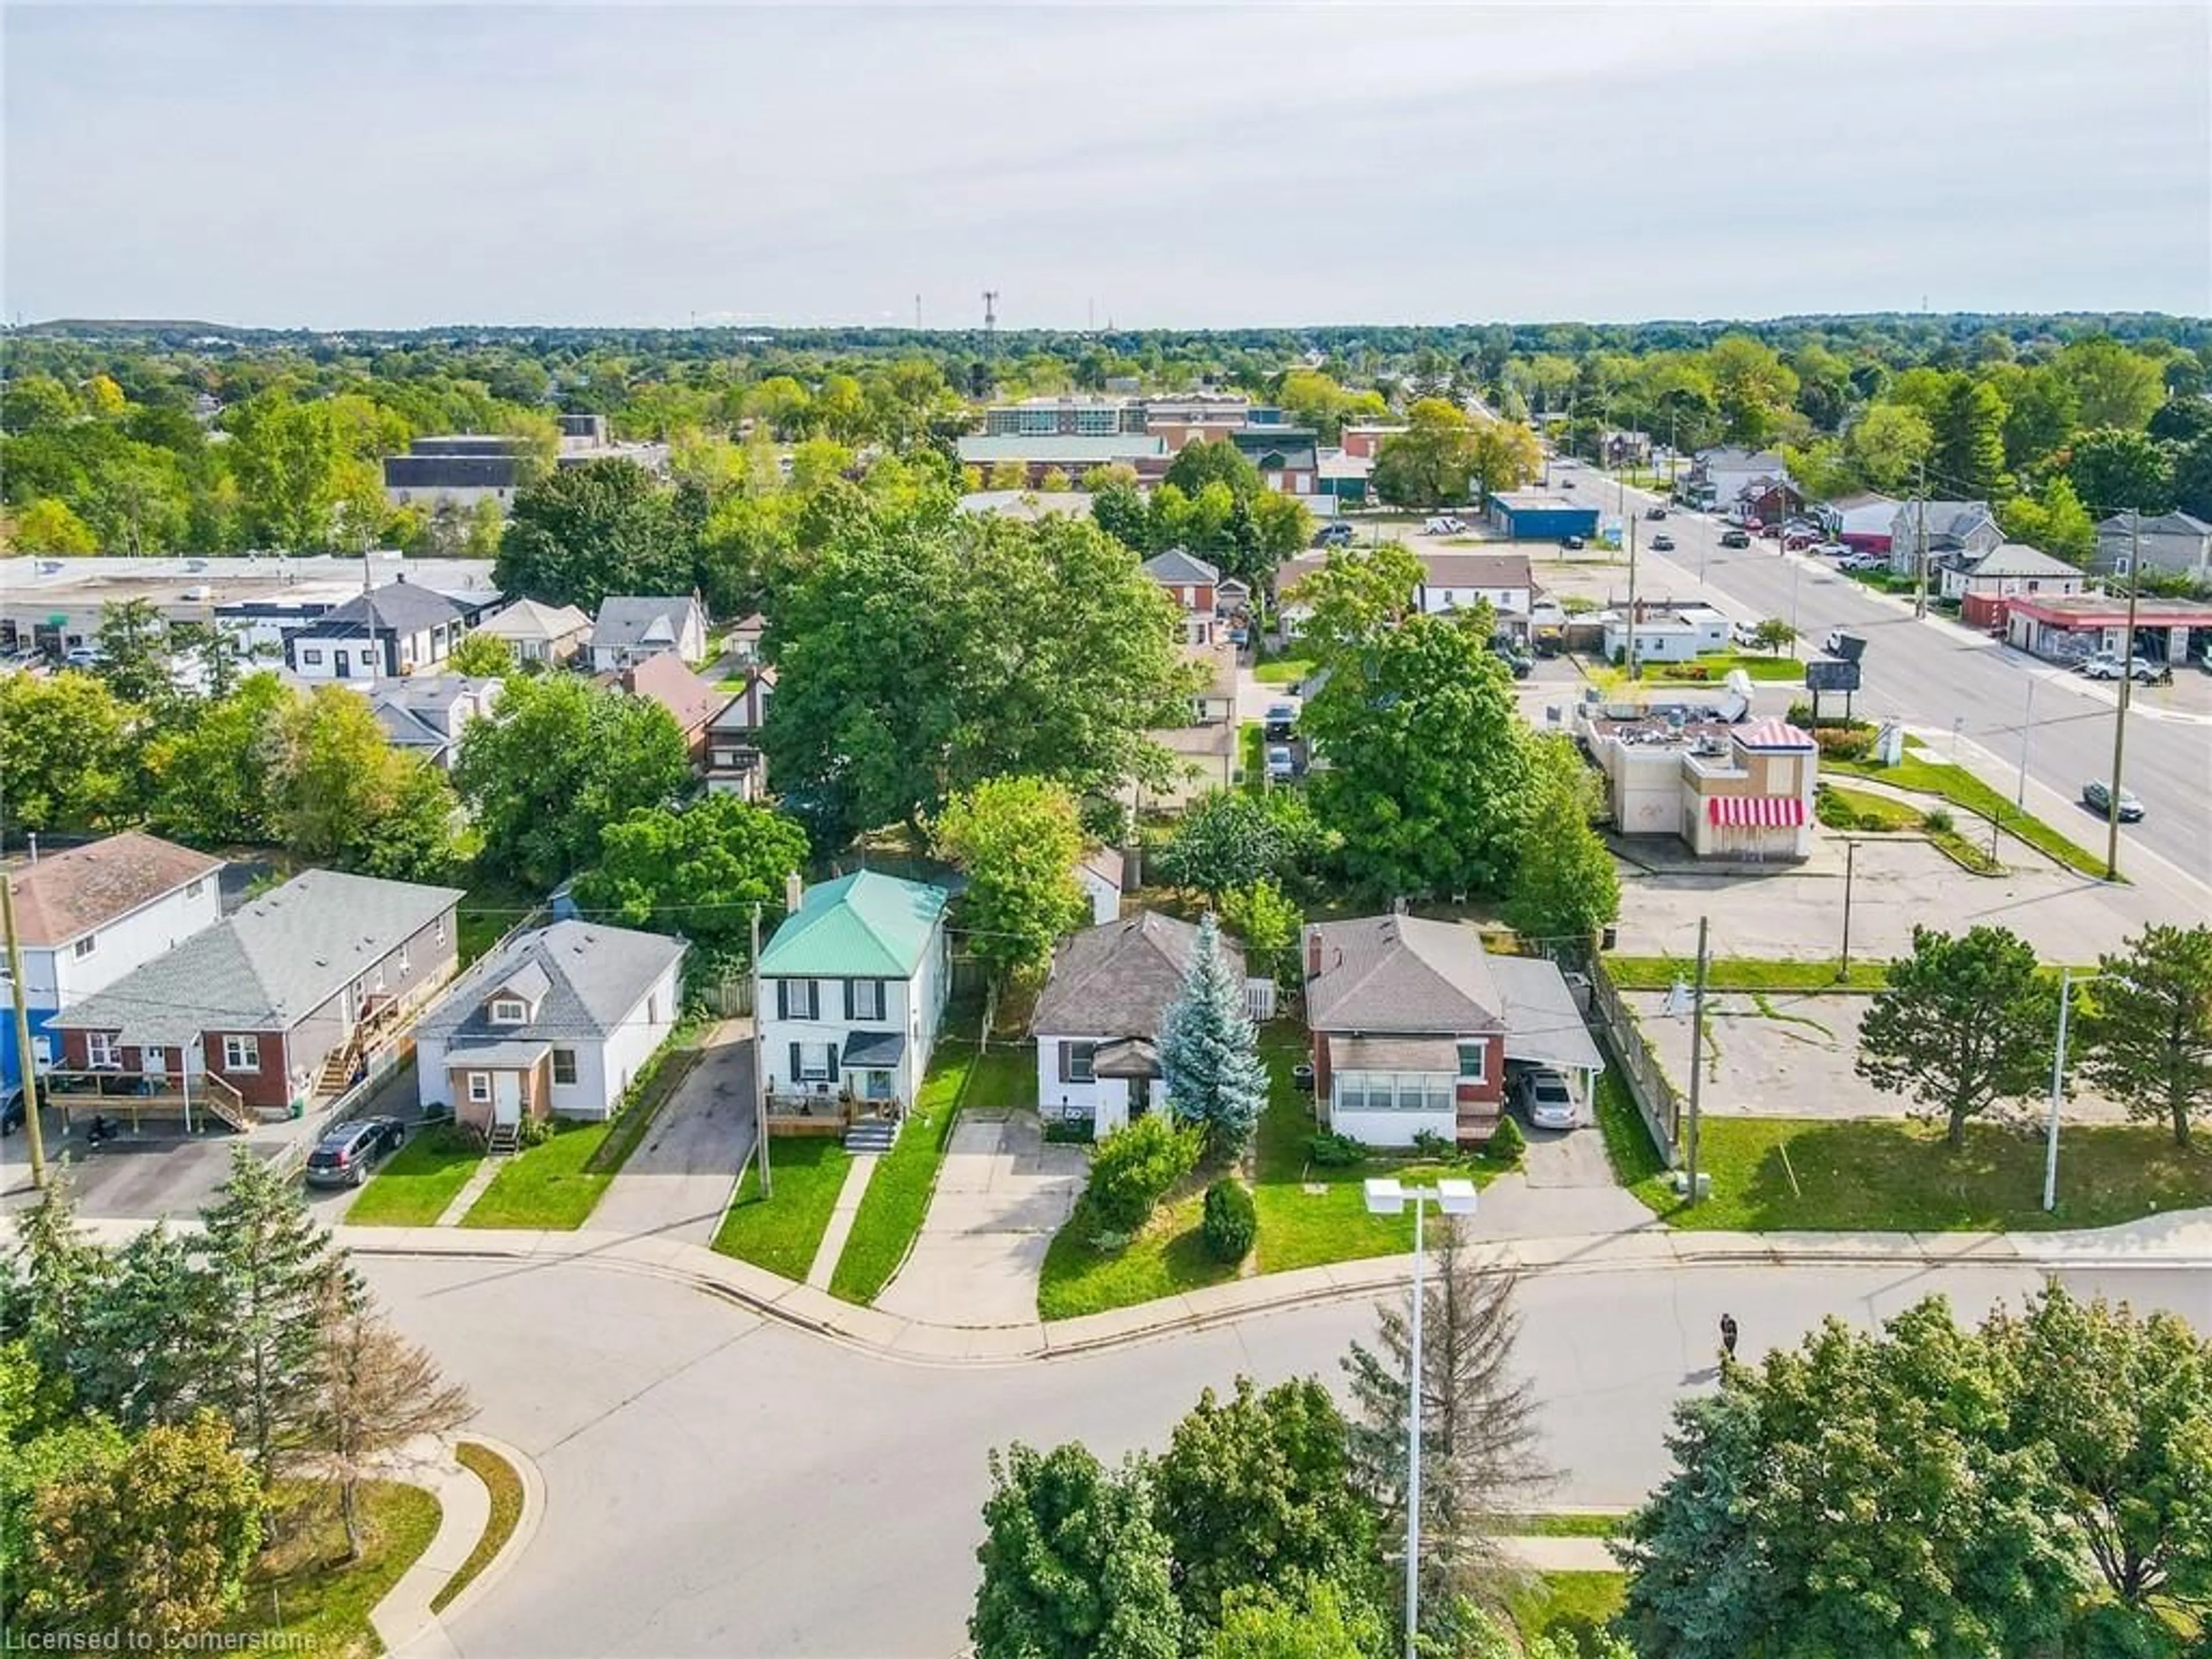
x: 1548, y: 1101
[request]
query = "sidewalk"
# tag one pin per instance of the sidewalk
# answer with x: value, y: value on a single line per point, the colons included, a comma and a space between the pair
x: 841, y: 1217
x: 404, y: 1621
x: 2182, y: 1239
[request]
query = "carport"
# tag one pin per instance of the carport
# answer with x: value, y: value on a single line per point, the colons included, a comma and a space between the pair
x: 1544, y: 1024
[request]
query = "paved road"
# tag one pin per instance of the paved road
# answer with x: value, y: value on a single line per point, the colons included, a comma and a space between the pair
x: 678, y: 1181
x: 721, y: 1486
x: 1932, y: 672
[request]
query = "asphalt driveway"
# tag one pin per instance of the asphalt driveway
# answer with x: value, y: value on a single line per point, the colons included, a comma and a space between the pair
x: 679, y: 1180
x: 1002, y: 1194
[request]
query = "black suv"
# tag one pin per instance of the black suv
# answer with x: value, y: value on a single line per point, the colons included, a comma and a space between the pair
x: 1735, y: 538
x: 344, y: 1156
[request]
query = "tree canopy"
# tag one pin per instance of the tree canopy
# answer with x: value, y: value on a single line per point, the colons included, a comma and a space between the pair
x: 1965, y: 1021
x: 697, y: 871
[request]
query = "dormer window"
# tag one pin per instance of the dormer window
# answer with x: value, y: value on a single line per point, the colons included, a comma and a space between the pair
x: 506, y: 1011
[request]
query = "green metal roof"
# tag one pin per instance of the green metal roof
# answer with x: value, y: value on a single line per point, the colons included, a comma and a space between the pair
x: 863, y: 926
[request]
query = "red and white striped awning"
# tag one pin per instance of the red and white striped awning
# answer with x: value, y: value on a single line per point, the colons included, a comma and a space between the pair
x: 1757, y: 812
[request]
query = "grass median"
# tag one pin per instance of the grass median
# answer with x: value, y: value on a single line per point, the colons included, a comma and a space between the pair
x: 504, y: 1483
x: 1963, y: 789
x: 1746, y: 974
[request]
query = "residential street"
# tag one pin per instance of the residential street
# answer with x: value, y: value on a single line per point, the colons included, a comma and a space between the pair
x: 1931, y: 673
x: 720, y: 1484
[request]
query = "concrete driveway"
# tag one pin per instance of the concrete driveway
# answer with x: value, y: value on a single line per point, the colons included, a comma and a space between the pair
x: 1002, y: 1194
x: 678, y: 1181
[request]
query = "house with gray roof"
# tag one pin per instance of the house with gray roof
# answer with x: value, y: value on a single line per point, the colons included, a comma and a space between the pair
x: 402, y: 628
x: 1097, y: 1019
x: 1416, y: 1029
x: 559, y: 1020
x: 1946, y: 528
x: 1193, y: 584
x: 1982, y: 582
x: 550, y: 633
x: 283, y: 1002
x: 425, y: 715
x: 2177, y: 544
x: 628, y: 630
x: 853, y: 987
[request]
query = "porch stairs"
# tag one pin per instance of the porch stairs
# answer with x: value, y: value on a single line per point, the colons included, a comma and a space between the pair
x: 871, y: 1134
x: 503, y: 1141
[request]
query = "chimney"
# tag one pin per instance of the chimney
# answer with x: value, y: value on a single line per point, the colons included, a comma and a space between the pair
x: 794, y: 890
x: 1313, y: 951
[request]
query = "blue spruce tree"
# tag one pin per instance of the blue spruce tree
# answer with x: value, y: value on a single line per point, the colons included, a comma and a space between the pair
x: 1209, y: 1053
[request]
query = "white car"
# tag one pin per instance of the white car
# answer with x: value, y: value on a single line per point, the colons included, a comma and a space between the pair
x: 1444, y: 524
x: 2106, y: 667
x: 1831, y: 551
x: 1746, y: 635
x: 1549, y: 1103
x: 1282, y: 767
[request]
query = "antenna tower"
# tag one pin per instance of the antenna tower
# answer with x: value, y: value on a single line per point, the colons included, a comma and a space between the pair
x: 990, y: 322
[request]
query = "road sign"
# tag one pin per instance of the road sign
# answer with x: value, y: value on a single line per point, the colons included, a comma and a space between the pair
x: 1832, y: 674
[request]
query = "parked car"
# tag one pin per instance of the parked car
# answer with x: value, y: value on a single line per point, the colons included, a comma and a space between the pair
x: 1745, y: 635
x: 1566, y: 484
x: 1444, y: 524
x: 2106, y: 667
x: 11, y: 1112
x: 1334, y: 534
x: 1508, y: 650
x: 1548, y: 1102
x: 1655, y: 512
x: 2096, y: 796
x: 1573, y: 544
x: 1282, y: 718
x: 1735, y: 538
x: 1663, y: 543
x: 81, y: 656
x: 1831, y: 551
x: 1863, y: 562
x: 344, y: 1156
x: 1282, y: 765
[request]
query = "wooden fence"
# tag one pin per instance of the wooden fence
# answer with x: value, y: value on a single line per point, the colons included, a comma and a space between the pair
x: 1617, y: 1027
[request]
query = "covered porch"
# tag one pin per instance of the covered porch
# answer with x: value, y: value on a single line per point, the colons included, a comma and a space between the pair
x: 135, y: 1097
x: 1135, y: 1063
x: 495, y: 1086
x: 868, y: 1071
x: 1385, y: 1090
x: 1545, y: 1025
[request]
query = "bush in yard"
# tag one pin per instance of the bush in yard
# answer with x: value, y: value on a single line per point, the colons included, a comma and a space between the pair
x: 1506, y: 1142
x: 1330, y: 1151
x: 1133, y: 1167
x: 1229, y: 1222
x: 1429, y: 1144
x: 1937, y: 822
x: 1843, y: 744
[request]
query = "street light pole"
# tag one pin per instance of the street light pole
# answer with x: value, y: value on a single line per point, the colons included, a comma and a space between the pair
x: 1386, y: 1195
x: 1850, y: 861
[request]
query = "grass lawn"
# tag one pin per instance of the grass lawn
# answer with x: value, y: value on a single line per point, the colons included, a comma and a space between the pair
x: 898, y: 1193
x: 1566, y: 1523
x: 1251, y: 756
x: 1284, y: 670
x: 1963, y: 789
x: 491, y: 906
x: 1006, y: 1076
x: 1628, y: 1145
x: 506, y: 1488
x: 783, y: 1233
x: 302, y: 1585
x: 414, y: 1187
x: 548, y: 1185
x: 1800, y: 1174
x: 1855, y: 809
x: 1165, y: 1259
x: 1762, y: 666
x: 1745, y: 974
x: 1569, y: 1606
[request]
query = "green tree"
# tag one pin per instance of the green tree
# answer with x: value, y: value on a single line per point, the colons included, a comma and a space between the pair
x: 154, y: 1536
x: 1429, y: 762
x: 2147, y: 1026
x: 1431, y: 463
x: 556, y: 760
x: 1018, y: 840
x: 1229, y: 839
x: 1120, y: 510
x: 1774, y: 634
x: 920, y: 657
x: 134, y: 653
x: 45, y: 1439
x: 282, y: 1280
x: 1255, y: 1491
x: 1269, y: 923
x: 2042, y: 412
x: 698, y: 872
x: 2192, y: 478
x: 1504, y: 455
x: 1968, y: 457
x: 484, y: 655
x: 1007, y: 475
x: 48, y: 526
x: 55, y: 1280
x: 1074, y: 1566
x: 1965, y: 1021
x: 158, y: 1315
x: 341, y: 795
x: 1356, y: 595
x: 1565, y: 886
x: 2114, y: 386
x: 212, y: 781
x: 290, y: 461
x: 2055, y: 522
x: 2116, y: 471
x: 1753, y: 386
x: 1314, y: 1622
x: 1209, y: 1052
x: 583, y: 532
x: 64, y: 752
x: 1214, y: 460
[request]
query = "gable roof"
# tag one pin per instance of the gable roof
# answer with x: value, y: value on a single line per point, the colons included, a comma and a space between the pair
x: 2168, y: 523
x: 528, y: 619
x: 863, y: 926
x: 400, y: 607
x: 2017, y: 559
x: 64, y: 895
x: 1107, y: 864
x: 664, y: 679
x: 632, y: 621
x: 1401, y: 973
x: 1116, y: 980
x: 1946, y: 518
x: 267, y: 966
x: 1773, y: 732
x: 1180, y: 569
x: 584, y: 979
x: 1475, y: 569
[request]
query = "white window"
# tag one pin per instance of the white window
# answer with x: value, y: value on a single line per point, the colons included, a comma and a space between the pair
x: 797, y: 996
x: 564, y: 1064
x: 241, y: 1054
x: 505, y: 1011
x: 311, y: 658
x: 1075, y: 1061
x: 85, y: 946
x: 99, y: 1052
x: 194, y: 888
x: 868, y: 999
x: 406, y: 967
x: 813, y: 1062
x: 479, y: 1087
x: 380, y: 977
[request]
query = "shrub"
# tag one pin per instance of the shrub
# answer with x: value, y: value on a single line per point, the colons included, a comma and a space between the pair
x: 534, y: 1132
x: 1071, y: 1131
x: 1334, y: 1152
x: 1134, y: 1167
x: 1230, y: 1221
x: 1429, y: 1144
x: 1506, y: 1142
x: 1843, y: 743
x: 1937, y: 821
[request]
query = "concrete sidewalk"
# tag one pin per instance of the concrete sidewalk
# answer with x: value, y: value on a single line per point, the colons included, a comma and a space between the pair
x: 404, y: 1619
x: 2182, y: 1239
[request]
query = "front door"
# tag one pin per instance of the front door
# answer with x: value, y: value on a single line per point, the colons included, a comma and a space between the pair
x: 506, y: 1097
x: 1141, y: 1098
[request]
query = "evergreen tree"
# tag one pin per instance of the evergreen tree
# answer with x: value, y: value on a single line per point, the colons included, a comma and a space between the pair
x: 283, y: 1278
x: 51, y: 1285
x: 1969, y: 458
x: 1209, y: 1053
x: 152, y: 1328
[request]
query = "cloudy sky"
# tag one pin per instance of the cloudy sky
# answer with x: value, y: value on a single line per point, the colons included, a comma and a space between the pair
x: 380, y: 165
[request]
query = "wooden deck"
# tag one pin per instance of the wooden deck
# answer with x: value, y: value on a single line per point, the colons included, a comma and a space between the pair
x: 134, y: 1096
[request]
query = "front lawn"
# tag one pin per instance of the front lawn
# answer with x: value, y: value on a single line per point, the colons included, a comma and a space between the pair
x: 302, y: 1596
x: 783, y: 1232
x: 1284, y: 670
x: 548, y: 1185
x: 1568, y: 1606
x: 897, y: 1198
x: 1165, y: 1259
x: 1893, y: 1175
x: 1963, y: 789
x: 419, y: 1180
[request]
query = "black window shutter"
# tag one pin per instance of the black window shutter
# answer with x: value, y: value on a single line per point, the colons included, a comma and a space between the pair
x: 1064, y: 1077
x: 798, y: 1065
x: 833, y: 1062
x: 782, y: 1011
x: 847, y: 985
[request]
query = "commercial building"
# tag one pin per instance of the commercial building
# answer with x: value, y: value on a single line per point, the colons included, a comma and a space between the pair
x: 1729, y: 791
x: 1538, y: 516
x: 2066, y: 629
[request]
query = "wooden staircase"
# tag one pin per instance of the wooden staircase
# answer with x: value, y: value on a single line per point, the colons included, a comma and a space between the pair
x: 504, y: 1140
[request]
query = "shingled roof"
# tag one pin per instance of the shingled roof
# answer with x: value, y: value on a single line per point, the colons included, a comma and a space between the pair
x: 1400, y: 974
x: 1117, y: 980
x: 66, y: 895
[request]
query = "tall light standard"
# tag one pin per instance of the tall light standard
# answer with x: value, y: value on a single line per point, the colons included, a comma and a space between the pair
x: 1386, y: 1195
x: 2067, y: 980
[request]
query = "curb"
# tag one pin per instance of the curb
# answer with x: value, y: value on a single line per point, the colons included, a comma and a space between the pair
x: 405, y: 1620
x: 526, y: 1525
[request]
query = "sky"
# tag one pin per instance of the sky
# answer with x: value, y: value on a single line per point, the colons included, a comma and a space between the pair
x: 1157, y: 165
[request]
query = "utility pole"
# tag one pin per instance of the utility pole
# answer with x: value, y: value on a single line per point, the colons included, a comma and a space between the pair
x: 23, y: 1057
x: 1850, y: 861
x: 1635, y: 668
x: 1920, y: 550
x: 2027, y: 720
x: 1697, y: 1057
x: 760, y: 1070
x: 2127, y: 686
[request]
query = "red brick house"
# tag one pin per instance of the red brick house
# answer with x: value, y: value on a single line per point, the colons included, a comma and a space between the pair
x: 282, y: 1002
